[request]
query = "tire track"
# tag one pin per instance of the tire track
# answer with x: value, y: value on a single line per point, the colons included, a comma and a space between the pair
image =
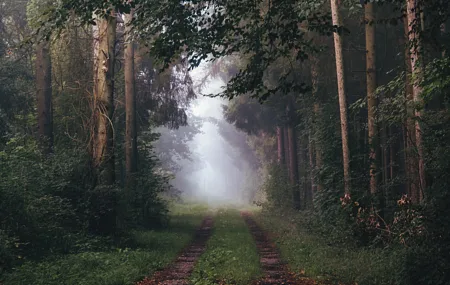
x: 274, y: 269
x: 179, y: 271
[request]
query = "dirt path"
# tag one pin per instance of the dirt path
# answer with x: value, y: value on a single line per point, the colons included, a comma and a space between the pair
x: 274, y: 270
x: 179, y: 271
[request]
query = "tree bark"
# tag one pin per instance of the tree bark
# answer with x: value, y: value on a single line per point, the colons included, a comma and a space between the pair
x: 293, y: 154
x: 342, y: 95
x: 371, y: 88
x: 44, y: 96
x: 415, y: 19
x: 103, y: 141
x: 293, y: 166
x: 286, y: 147
x: 131, y: 154
x: 410, y: 131
x: 315, y: 144
x: 280, y: 144
x: 392, y: 153
x: 311, y: 189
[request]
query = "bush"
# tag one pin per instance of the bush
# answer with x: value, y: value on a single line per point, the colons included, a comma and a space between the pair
x: 277, y: 187
x: 43, y: 202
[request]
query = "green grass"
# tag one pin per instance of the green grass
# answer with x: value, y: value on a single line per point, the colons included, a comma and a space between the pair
x: 306, y: 251
x: 152, y: 250
x: 231, y: 254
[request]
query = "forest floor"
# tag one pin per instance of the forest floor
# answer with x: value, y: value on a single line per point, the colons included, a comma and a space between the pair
x: 221, y: 246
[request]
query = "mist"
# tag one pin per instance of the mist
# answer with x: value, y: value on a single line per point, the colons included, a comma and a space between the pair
x: 215, y: 172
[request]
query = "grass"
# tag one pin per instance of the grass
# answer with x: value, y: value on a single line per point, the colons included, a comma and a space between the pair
x: 309, y: 254
x: 231, y: 256
x: 152, y: 250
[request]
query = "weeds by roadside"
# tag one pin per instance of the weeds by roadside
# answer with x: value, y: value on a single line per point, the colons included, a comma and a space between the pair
x: 148, y: 251
x: 231, y: 256
x: 313, y: 256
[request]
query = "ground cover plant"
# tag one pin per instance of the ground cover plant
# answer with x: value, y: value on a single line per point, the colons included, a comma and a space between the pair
x: 231, y: 255
x: 324, y: 258
x: 143, y: 253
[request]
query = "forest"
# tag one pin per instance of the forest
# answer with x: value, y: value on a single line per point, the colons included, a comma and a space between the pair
x: 228, y: 142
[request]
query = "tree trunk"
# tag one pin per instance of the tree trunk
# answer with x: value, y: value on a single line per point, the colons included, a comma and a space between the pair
x: 103, y: 141
x: 371, y: 88
x: 410, y: 131
x: 443, y: 31
x: 293, y: 167
x: 384, y: 153
x: 131, y: 154
x: 280, y: 144
x: 342, y: 96
x: 392, y: 153
x: 415, y: 19
x: 315, y: 143
x: 311, y: 170
x: 286, y: 146
x: 44, y: 96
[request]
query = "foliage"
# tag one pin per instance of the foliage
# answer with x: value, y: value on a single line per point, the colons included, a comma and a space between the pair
x: 324, y: 259
x: 141, y: 254
x: 15, y: 83
x: 231, y: 255
x: 277, y: 188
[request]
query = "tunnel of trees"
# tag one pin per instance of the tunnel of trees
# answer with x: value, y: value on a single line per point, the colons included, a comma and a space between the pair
x: 343, y: 108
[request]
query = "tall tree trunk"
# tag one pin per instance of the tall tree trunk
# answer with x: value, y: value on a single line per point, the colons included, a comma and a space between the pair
x: 304, y: 186
x: 392, y: 152
x: 415, y: 20
x: 384, y: 153
x: 280, y: 145
x: 443, y: 31
x: 342, y: 95
x: 410, y: 131
x: 286, y: 147
x: 315, y: 143
x: 293, y: 155
x: 293, y: 167
x: 44, y: 96
x: 311, y: 170
x: 131, y: 154
x: 103, y: 141
x: 371, y: 88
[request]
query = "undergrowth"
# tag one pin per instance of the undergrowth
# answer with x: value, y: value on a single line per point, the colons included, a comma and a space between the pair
x: 143, y: 253
x: 231, y: 256
x: 321, y: 258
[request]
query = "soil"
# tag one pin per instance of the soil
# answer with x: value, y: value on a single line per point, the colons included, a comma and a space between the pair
x: 275, y: 271
x: 178, y: 272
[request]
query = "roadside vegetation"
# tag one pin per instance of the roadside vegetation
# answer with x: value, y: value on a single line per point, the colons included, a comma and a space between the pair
x: 136, y: 256
x: 231, y: 256
x: 331, y: 257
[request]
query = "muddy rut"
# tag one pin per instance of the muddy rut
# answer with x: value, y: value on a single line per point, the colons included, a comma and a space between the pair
x: 178, y: 272
x: 275, y: 271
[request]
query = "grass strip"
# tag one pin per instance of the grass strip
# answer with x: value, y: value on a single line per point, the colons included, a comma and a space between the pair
x: 311, y: 255
x: 231, y: 256
x: 152, y: 250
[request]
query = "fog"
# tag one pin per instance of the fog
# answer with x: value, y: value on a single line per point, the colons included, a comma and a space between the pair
x: 215, y: 173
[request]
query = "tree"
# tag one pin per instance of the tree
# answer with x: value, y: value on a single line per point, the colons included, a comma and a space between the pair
x: 130, y: 103
x: 286, y: 146
x: 293, y: 156
x: 409, y: 125
x: 44, y: 95
x: 341, y: 91
x: 103, y: 137
x: 414, y: 10
x: 43, y: 77
x: 280, y: 146
x: 315, y: 144
x: 371, y: 82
